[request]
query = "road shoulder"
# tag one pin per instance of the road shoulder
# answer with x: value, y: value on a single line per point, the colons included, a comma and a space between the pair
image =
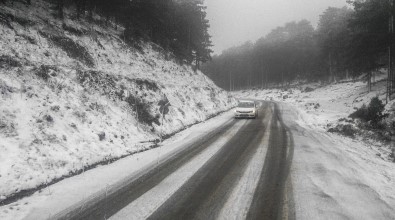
x: 335, y: 177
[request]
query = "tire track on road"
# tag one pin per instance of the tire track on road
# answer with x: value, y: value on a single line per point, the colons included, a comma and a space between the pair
x: 273, y: 189
x: 145, y: 205
x: 214, y: 181
x: 105, y: 204
x: 232, y: 166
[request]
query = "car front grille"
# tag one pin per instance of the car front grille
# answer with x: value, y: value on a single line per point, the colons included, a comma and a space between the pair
x: 244, y: 112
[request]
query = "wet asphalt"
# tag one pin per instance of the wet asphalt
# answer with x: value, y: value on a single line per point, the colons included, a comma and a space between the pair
x: 205, y: 193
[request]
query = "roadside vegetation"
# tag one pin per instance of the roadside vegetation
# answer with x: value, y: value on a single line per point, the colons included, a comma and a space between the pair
x: 372, y: 122
x: 368, y: 117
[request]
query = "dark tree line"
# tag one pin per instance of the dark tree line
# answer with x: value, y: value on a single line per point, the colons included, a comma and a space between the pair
x: 347, y: 43
x: 180, y: 27
x: 28, y: 2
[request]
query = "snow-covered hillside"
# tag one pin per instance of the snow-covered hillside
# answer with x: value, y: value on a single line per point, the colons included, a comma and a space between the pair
x: 74, y: 94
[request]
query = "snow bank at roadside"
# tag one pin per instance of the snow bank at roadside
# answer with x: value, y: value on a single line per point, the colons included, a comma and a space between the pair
x: 73, y: 94
x: 333, y: 176
x: 336, y: 177
x: 325, y: 106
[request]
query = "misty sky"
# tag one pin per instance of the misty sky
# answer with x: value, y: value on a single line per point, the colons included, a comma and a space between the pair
x: 236, y: 21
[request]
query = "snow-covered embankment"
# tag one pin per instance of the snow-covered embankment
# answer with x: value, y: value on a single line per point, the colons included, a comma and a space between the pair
x: 74, y: 94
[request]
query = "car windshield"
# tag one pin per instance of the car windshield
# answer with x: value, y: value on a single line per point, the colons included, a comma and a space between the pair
x: 246, y: 105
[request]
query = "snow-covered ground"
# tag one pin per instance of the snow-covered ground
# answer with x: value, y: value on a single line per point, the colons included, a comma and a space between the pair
x: 325, y: 105
x: 333, y: 176
x: 74, y: 94
x: 71, y: 191
x: 336, y: 177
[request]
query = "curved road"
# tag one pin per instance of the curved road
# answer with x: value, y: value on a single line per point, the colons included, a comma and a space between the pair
x: 239, y: 171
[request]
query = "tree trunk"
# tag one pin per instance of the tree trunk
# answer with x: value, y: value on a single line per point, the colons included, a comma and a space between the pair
x: 263, y: 77
x: 60, y: 9
x: 90, y: 9
x: 197, y: 63
x: 330, y: 69
x: 374, y: 77
x: 393, y: 148
x: 390, y: 77
x: 107, y: 19
x: 189, y: 43
x: 230, y: 81
x: 370, y: 81
x: 266, y: 80
x: 393, y: 143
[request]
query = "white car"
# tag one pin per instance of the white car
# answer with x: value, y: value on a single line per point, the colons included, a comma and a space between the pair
x: 246, y: 109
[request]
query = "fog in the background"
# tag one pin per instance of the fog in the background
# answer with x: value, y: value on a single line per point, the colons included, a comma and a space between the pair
x: 236, y: 21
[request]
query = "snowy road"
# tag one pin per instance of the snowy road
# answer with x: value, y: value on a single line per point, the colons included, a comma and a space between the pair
x: 230, y: 169
x: 239, y: 170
